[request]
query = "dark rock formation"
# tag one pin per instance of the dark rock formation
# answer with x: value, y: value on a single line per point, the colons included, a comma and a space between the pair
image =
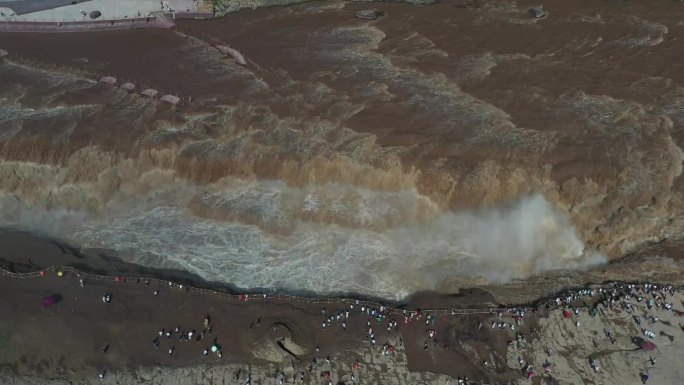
x: 369, y: 14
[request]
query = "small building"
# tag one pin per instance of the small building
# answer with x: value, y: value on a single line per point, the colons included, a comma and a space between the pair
x: 130, y: 87
x: 111, y: 80
x: 171, y: 99
x: 149, y: 92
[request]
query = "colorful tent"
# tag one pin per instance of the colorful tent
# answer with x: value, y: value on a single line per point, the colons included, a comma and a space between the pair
x: 48, y: 301
x: 566, y: 314
x: 647, y: 345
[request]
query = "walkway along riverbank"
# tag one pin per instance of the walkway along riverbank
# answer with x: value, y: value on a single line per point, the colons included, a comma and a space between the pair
x: 157, y: 20
x: 551, y: 304
x: 65, y: 271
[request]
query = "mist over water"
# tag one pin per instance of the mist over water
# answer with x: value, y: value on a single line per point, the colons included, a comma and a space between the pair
x: 284, y: 244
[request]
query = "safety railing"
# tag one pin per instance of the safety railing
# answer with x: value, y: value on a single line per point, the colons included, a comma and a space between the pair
x: 247, y: 297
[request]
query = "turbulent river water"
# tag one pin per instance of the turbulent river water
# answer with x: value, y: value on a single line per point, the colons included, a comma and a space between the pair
x: 453, y: 144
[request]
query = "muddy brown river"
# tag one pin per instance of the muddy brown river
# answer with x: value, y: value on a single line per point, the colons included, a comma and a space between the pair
x: 453, y: 144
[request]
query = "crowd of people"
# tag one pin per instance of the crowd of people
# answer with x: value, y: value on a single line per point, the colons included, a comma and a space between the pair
x: 188, y: 335
x: 184, y: 335
x: 621, y: 297
x: 617, y: 297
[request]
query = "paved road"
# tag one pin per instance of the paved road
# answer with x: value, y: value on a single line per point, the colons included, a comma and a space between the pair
x: 21, y: 7
x: 110, y: 9
x: 83, y: 26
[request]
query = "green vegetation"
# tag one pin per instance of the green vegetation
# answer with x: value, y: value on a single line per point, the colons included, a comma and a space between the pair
x: 223, y: 6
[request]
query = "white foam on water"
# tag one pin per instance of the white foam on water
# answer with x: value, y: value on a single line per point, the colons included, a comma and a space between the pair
x: 498, y: 244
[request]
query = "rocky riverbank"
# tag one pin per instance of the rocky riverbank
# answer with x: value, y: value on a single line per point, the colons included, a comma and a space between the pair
x: 143, y: 334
